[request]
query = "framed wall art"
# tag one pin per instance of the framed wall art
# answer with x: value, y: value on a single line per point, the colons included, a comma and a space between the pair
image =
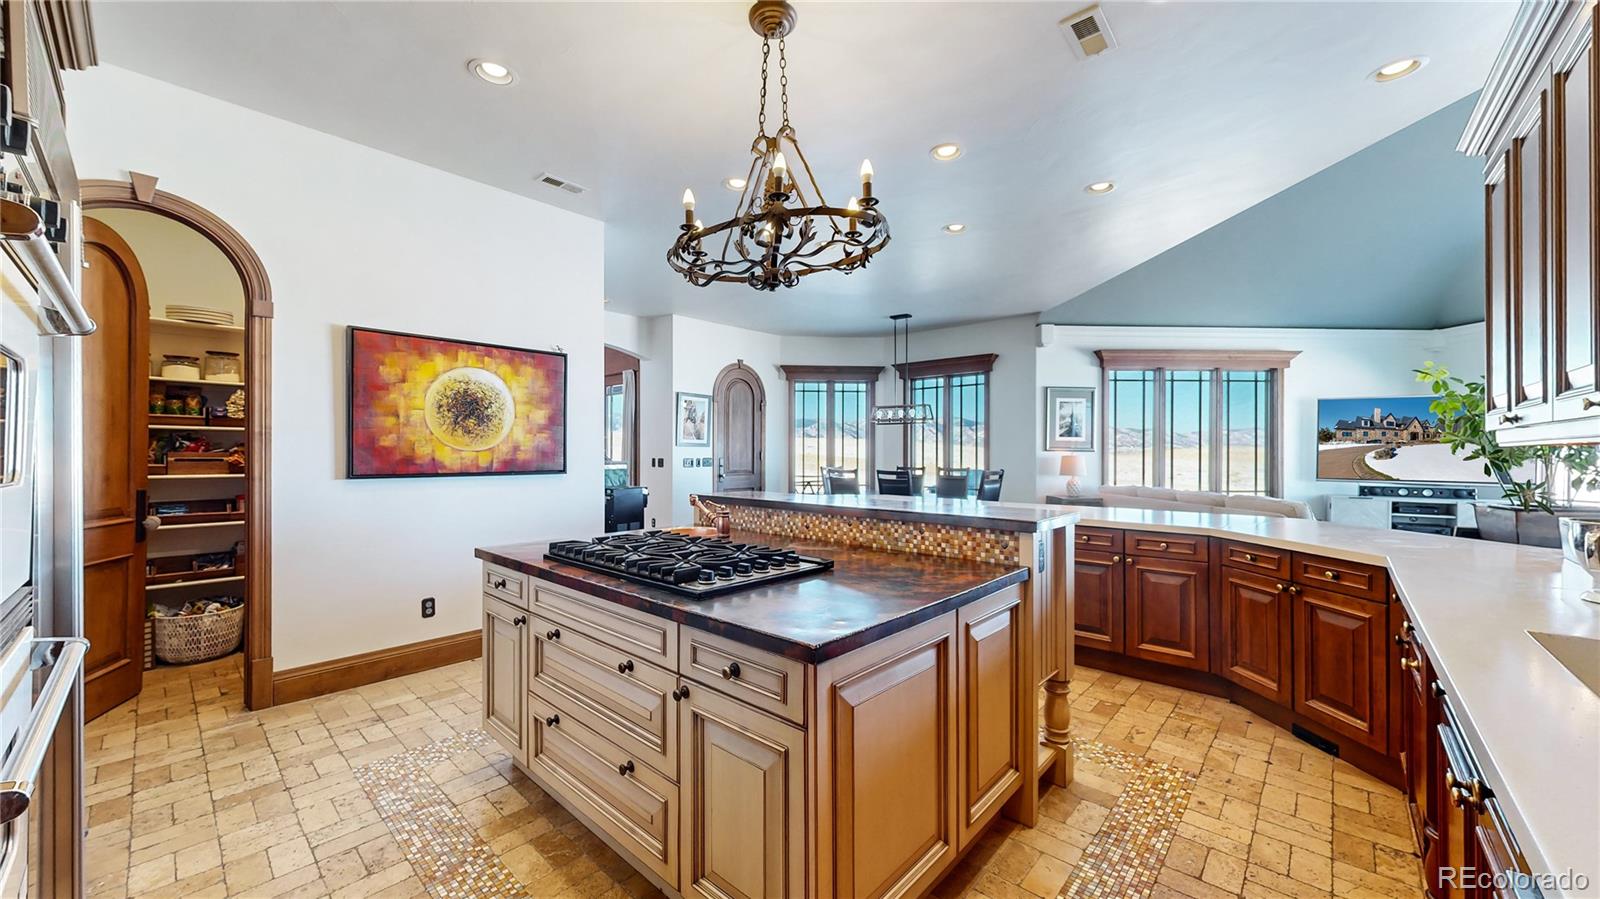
x: 432, y: 407
x: 692, y: 420
x: 1069, y: 419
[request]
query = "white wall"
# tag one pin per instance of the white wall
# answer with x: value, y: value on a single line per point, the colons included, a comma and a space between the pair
x: 350, y: 235
x: 180, y: 265
x: 1331, y: 364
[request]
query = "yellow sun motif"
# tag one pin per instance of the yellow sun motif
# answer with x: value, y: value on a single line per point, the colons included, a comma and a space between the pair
x: 469, y: 409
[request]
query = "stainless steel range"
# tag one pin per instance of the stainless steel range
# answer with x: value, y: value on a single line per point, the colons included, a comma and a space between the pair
x: 692, y: 566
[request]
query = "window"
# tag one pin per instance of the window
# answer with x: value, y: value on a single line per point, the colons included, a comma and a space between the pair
x: 830, y: 423
x: 615, y: 451
x: 957, y: 390
x: 1195, y: 420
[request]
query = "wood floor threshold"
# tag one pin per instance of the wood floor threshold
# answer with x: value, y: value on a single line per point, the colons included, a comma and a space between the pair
x: 322, y: 678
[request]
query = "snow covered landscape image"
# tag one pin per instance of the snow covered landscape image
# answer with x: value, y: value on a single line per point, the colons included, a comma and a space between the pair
x: 1386, y: 439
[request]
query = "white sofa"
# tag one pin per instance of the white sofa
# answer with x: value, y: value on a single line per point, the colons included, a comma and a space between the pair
x: 1202, y: 501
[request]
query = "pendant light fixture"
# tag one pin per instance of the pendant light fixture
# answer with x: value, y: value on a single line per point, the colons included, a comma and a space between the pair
x: 907, y: 412
x: 782, y: 229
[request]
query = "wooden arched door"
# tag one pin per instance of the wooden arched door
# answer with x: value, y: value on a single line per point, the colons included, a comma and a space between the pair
x: 740, y: 433
x: 115, y: 366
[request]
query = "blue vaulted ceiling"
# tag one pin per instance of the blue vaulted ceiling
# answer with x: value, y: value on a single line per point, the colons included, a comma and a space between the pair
x: 1390, y: 237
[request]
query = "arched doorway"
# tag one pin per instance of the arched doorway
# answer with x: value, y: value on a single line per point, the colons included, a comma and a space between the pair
x: 139, y: 193
x: 739, y: 436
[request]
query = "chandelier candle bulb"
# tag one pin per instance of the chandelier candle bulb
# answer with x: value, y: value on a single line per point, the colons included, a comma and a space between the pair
x: 853, y: 220
x: 688, y: 207
x: 866, y: 179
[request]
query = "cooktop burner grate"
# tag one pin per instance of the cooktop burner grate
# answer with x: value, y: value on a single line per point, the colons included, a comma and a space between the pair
x: 692, y: 566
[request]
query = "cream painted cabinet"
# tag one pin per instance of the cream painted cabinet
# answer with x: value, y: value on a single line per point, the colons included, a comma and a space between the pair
x: 505, y: 676
x: 743, y: 809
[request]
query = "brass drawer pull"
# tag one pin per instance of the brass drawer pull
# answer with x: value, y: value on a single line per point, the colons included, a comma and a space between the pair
x: 625, y: 666
x: 1330, y: 574
x: 1409, y: 663
x: 730, y: 671
x: 1116, y: 558
x: 1128, y: 560
x: 1249, y: 557
x: 1295, y: 589
x: 553, y: 634
x: 1083, y: 538
x: 1162, y: 544
x: 681, y: 693
x: 1282, y: 587
x: 1590, y: 402
x: 552, y: 721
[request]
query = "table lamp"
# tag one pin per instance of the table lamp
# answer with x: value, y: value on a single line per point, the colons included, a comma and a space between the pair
x: 1072, y: 467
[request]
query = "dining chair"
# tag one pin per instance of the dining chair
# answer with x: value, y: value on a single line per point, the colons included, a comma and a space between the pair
x: 843, y: 485
x: 894, y: 483
x: 989, y: 490
x: 917, y: 477
x: 974, y: 480
x: 951, y: 486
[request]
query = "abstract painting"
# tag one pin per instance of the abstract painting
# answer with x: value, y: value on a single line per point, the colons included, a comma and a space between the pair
x: 1069, y: 419
x: 694, y: 420
x: 430, y: 407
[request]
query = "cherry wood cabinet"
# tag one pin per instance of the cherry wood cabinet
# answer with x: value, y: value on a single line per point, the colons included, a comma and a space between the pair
x: 1253, y: 638
x: 1535, y: 127
x: 1419, y: 721
x: 1339, y: 658
x: 1478, y: 856
x: 1166, y: 610
x: 1097, y: 598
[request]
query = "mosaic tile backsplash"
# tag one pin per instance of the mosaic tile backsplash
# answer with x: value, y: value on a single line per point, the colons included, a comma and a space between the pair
x: 976, y: 544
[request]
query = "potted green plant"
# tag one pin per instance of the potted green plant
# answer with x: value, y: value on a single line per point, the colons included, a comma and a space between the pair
x: 1529, y: 515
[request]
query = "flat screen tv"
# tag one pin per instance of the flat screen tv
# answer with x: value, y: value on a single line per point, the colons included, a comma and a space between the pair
x: 1387, y: 438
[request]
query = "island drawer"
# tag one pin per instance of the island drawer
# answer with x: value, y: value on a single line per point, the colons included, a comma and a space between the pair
x: 1349, y: 578
x: 505, y: 584
x: 1168, y: 546
x: 1103, y: 539
x: 1258, y: 558
x: 627, y: 701
x: 767, y: 681
x: 646, y: 637
x: 634, y: 808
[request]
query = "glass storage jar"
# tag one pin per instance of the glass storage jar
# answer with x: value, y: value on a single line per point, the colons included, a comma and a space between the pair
x: 182, y: 368
x: 226, y: 367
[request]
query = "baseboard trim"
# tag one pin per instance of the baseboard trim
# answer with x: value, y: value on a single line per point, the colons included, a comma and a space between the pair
x: 322, y: 678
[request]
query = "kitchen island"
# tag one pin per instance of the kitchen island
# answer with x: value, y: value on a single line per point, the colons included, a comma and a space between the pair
x: 849, y: 732
x: 1451, y: 668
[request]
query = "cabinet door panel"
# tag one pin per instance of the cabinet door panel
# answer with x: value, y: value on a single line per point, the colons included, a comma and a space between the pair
x: 989, y: 755
x: 1167, y: 611
x: 1339, y: 663
x: 1254, y: 643
x: 1577, y: 344
x: 1498, y: 293
x: 505, y: 672
x: 891, y: 746
x: 1097, y: 600
x: 1530, y: 217
x: 743, y: 824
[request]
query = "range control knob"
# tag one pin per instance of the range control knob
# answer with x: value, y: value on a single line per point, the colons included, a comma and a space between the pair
x: 1402, y: 492
x: 1427, y: 491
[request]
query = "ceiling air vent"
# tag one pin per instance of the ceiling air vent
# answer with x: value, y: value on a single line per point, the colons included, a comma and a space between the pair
x: 553, y: 181
x: 1088, y: 33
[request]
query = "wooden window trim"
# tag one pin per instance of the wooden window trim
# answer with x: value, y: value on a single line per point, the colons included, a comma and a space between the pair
x: 1275, y: 361
x: 945, y: 407
x: 831, y: 372
x: 982, y: 363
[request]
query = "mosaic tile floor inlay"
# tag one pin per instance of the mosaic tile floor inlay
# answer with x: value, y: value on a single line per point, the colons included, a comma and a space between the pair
x: 391, y: 790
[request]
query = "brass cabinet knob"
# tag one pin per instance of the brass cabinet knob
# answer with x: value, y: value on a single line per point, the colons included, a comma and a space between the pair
x: 1282, y: 587
x: 730, y: 671
x: 1249, y: 557
x: 1083, y: 538
x: 1162, y: 544
x: 1116, y: 558
x: 1330, y: 574
x: 1294, y: 588
x: 1128, y: 560
x: 1409, y: 663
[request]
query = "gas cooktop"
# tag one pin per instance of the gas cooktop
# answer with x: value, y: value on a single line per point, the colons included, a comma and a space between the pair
x: 692, y: 566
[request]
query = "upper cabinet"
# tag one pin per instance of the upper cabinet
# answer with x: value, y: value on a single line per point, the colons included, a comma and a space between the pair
x: 1535, y: 125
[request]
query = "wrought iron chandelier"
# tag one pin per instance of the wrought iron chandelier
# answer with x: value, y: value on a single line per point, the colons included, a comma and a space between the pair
x: 905, y: 412
x: 781, y: 229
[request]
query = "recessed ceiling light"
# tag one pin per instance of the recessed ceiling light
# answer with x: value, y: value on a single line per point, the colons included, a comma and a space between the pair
x: 1100, y: 187
x: 734, y: 183
x: 955, y: 228
x: 492, y: 72
x: 1400, y: 68
x: 946, y: 152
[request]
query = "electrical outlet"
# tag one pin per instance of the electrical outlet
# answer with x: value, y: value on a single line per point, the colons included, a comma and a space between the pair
x: 652, y: 522
x: 427, y: 607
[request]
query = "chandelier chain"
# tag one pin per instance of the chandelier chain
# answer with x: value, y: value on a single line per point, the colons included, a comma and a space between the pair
x: 783, y: 83
x: 761, y: 117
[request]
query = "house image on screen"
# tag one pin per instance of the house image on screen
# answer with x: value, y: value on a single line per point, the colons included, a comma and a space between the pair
x: 1386, y: 428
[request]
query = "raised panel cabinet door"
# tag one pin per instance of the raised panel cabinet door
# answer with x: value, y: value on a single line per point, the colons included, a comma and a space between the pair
x: 1339, y: 657
x: 1097, y: 599
x: 505, y: 676
x: 1253, y: 644
x: 1167, y: 607
x: 1530, y: 251
x: 989, y: 708
x: 891, y: 745
x: 1497, y: 292
x: 1577, y: 301
x: 743, y: 808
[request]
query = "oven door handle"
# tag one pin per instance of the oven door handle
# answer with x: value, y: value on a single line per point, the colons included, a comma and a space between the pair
x: 21, y: 772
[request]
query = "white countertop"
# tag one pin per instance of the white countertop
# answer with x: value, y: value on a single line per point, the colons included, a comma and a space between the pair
x: 1534, y: 728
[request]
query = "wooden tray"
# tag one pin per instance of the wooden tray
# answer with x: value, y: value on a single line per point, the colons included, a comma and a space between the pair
x: 193, y: 421
x: 223, y: 421
x: 157, y: 469
x: 201, y: 517
x: 177, y: 569
x: 198, y: 463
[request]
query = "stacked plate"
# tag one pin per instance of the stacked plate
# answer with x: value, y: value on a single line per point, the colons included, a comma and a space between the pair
x: 199, y: 315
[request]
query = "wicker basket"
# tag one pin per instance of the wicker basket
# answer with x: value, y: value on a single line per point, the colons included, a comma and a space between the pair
x: 198, y: 638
